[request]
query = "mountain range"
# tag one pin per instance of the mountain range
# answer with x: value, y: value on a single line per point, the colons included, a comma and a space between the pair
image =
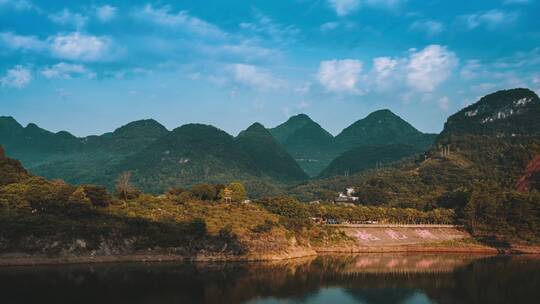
x: 495, y: 141
x: 267, y: 160
x: 314, y: 148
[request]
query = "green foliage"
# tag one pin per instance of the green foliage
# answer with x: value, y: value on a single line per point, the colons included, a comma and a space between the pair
x: 520, y: 107
x: 363, y: 214
x: 268, y: 156
x: 382, y: 128
x: 293, y: 214
x: 492, y: 211
x: 239, y: 193
x: 11, y: 171
x: 98, y: 195
x: 204, y: 192
x: 367, y: 157
x: 264, y: 227
x: 197, y: 228
x: 311, y: 145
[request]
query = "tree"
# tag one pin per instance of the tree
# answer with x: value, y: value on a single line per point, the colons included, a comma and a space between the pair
x: 204, y: 192
x: 124, y: 189
x: 98, y: 195
x: 239, y: 192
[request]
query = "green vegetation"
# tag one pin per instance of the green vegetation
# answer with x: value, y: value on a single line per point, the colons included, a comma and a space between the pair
x: 268, y: 155
x: 503, y: 113
x: 368, y: 157
x: 311, y: 145
x: 470, y: 171
x: 382, y: 128
x: 468, y: 176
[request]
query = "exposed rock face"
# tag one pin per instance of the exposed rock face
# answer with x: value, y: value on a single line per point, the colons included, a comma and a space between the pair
x: 531, y: 178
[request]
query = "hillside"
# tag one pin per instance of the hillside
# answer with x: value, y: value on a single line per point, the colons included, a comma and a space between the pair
x: 160, y: 159
x: 368, y: 157
x: 309, y: 144
x: 382, y: 128
x: 268, y: 155
x: 32, y: 144
x: 11, y: 171
x: 531, y: 177
x: 504, y: 113
x: 286, y: 129
x: 197, y: 153
x: 476, y: 176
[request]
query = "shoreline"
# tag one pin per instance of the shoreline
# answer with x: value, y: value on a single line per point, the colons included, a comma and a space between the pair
x: 299, y: 252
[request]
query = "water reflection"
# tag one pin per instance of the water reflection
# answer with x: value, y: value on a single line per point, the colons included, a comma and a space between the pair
x: 328, y: 279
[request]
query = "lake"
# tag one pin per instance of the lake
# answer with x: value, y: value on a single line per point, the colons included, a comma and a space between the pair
x: 386, y: 278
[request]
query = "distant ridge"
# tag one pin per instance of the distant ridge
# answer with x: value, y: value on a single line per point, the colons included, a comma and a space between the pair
x: 311, y: 145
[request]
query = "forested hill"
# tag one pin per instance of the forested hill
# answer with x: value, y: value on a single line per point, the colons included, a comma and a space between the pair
x: 268, y: 155
x: 158, y: 158
x: 309, y: 144
x: 382, y: 127
x: 504, y: 113
x: 474, y: 171
x: 315, y: 149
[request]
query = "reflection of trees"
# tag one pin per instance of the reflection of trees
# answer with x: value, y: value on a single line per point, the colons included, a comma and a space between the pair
x: 496, y: 280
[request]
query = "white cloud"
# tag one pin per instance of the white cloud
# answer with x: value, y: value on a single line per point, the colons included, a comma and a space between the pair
x: 18, y: 42
x: 385, y: 71
x: 256, y: 77
x: 429, y: 67
x: 72, y: 46
x: 17, y: 77
x: 65, y: 71
x: 303, y: 89
x: 343, y: 24
x: 267, y: 27
x: 344, y: 7
x: 78, y: 46
x: 329, y: 26
x: 19, y: 5
x: 483, y: 88
x: 181, y: 21
x: 508, y: 2
x: 429, y: 27
x: 490, y: 19
x: 471, y: 69
x: 66, y: 17
x: 444, y: 103
x: 106, y: 13
x: 303, y: 105
x: 340, y: 76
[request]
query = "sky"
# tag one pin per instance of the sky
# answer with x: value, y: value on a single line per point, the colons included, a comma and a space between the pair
x: 89, y: 67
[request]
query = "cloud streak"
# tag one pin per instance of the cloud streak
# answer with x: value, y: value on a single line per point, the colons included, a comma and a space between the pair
x: 17, y: 77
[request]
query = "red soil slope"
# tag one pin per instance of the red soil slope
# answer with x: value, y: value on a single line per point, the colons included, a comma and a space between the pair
x: 530, y: 177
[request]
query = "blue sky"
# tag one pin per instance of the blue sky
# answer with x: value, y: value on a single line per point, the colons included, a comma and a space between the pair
x: 90, y: 66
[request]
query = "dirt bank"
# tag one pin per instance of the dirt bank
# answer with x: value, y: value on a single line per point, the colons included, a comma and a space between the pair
x: 360, y: 239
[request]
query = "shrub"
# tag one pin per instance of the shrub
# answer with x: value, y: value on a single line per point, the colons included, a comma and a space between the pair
x: 197, y: 228
x: 204, y: 192
x: 265, y: 227
x: 98, y: 195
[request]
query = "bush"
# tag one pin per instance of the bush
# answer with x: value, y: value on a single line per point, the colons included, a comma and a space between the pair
x: 226, y: 233
x: 265, y: 227
x: 204, y: 192
x: 197, y: 228
x: 98, y: 195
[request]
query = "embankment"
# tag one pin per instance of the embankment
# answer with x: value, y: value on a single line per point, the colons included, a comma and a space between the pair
x: 406, y: 238
x: 360, y: 239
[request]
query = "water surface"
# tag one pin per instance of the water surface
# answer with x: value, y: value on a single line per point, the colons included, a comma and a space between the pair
x: 343, y: 279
